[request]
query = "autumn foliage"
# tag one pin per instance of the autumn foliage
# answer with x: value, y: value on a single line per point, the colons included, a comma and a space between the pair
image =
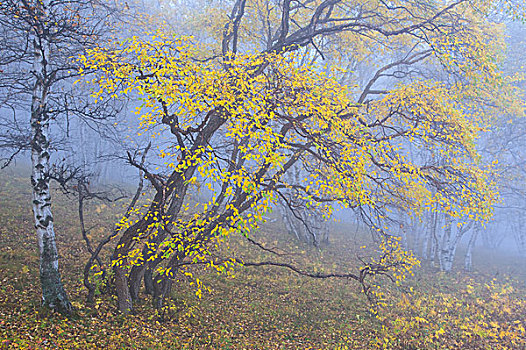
x: 374, y: 107
x: 240, y: 121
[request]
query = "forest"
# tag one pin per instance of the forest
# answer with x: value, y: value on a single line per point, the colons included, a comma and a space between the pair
x: 262, y: 174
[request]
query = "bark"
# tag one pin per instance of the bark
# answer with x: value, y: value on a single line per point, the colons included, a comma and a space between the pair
x: 138, y: 272
x: 161, y: 289
x: 124, y: 298
x: 148, y: 280
x: 53, y: 294
x: 450, y: 242
x: 135, y: 279
x: 120, y: 267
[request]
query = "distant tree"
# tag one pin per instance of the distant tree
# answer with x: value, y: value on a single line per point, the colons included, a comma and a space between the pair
x: 309, y: 225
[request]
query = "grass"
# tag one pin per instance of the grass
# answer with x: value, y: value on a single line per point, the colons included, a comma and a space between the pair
x: 259, y: 308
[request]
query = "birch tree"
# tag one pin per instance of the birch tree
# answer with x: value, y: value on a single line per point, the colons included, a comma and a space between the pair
x: 39, y: 38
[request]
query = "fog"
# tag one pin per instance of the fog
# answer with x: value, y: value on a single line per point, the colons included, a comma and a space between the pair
x: 395, y: 126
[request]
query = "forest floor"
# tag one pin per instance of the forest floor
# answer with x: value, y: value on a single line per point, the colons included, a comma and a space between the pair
x: 258, y: 308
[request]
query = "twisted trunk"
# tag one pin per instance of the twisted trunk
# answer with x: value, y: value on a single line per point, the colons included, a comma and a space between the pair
x: 176, y: 188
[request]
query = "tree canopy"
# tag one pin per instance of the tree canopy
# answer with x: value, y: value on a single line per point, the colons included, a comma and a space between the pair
x: 379, y: 104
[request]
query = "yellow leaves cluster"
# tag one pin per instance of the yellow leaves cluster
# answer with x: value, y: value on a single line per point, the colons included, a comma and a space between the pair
x: 174, y: 82
x: 392, y: 261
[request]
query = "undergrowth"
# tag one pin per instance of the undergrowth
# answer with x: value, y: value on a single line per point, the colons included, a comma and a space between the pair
x: 258, y: 308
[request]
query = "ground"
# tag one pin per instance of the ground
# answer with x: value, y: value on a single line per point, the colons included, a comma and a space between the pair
x: 258, y: 308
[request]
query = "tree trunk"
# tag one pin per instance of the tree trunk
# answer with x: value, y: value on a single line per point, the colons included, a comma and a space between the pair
x: 161, y: 290
x: 426, y: 237
x: 135, y: 279
x: 120, y: 269
x: 138, y: 272
x: 124, y: 299
x: 53, y: 293
x: 434, y: 240
x: 148, y: 280
x: 445, y: 247
x: 468, y: 262
x: 450, y: 242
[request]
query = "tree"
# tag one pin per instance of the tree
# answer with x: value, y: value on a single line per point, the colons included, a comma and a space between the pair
x: 240, y: 121
x: 40, y: 38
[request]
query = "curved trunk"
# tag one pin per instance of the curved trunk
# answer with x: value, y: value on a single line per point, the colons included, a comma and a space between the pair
x: 148, y: 281
x: 120, y: 267
x: 137, y: 272
x: 135, y: 279
x: 176, y: 187
x: 161, y: 289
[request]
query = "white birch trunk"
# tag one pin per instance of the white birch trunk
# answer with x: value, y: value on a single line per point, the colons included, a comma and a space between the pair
x: 53, y: 293
x: 443, y: 251
x: 450, y: 242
